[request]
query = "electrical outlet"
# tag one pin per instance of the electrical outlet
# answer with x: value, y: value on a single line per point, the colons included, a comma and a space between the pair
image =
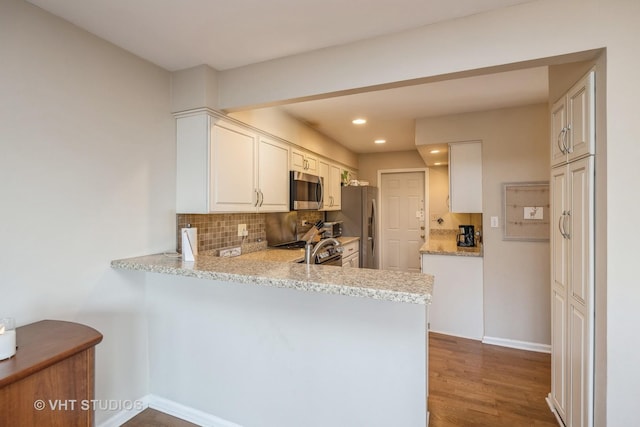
x: 229, y: 252
x: 242, y: 230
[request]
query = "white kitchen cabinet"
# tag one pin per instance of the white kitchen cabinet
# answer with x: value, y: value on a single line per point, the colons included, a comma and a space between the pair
x: 457, y: 307
x: 573, y: 122
x: 232, y: 175
x: 465, y: 177
x: 351, y: 254
x: 304, y: 161
x: 273, y: 175
x: 332, y: 196
x: 224, y: 166
x: 572, y: 292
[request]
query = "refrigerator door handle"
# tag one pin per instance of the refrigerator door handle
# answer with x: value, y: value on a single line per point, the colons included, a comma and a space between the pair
x: 373, y: 227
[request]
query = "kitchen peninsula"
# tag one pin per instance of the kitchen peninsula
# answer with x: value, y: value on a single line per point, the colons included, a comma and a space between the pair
x: 264, y: 343
x: 458, y: 309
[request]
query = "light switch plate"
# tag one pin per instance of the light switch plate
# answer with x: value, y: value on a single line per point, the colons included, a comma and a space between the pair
x: 494, y: 222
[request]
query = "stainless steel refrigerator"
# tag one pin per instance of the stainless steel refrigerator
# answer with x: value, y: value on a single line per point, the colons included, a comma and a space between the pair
x: 359, y: 215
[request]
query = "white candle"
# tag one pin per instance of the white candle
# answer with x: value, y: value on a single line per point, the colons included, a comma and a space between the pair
x: 7, y: 344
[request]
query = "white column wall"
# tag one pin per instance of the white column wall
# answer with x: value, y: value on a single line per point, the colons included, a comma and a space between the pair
x: 263, y: 357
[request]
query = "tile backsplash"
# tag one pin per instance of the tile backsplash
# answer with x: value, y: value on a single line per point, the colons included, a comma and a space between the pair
x: 217, y: 231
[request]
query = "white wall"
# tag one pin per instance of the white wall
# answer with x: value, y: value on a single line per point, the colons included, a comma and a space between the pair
x: 87, y: 173
x: 266, y: 357
x: 526, y: 32
x: 371, y: 163
x: 280, y: 124
x: 515, y: 148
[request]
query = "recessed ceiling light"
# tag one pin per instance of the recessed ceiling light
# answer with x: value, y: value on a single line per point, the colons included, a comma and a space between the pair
x: 437, y: 164
x: 380, y: 141
x: 359, y: 121
x: 434, y: 151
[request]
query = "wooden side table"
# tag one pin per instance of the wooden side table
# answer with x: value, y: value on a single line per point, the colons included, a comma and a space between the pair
x: 50, y: 380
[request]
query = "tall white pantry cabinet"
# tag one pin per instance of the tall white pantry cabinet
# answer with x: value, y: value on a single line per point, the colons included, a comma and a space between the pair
x: 572, y: 254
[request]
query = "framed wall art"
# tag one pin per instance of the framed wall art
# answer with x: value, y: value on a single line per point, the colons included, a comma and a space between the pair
x: 526, y: 211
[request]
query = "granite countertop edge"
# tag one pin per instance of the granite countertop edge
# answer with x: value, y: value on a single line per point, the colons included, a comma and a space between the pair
x: 414, y: 288
x: 436, y: 249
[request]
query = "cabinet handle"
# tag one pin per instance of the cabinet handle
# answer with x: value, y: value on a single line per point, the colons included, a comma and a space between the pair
x: 562, y: 224
x: 567, y: 216
x: 565, y: 142
x: 560, y: 221
x: 562, y: 137
x: 261, y: 197
x: 257, y: 198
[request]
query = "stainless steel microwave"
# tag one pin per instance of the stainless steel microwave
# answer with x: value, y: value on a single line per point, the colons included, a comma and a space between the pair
x: 306, y: 191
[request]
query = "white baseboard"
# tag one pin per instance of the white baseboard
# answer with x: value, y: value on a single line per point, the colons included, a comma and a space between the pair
x: 522, y: 345
x: 553, y: 410
x: 172, y: 408
x: 123, y: 416
x: 468, y: 337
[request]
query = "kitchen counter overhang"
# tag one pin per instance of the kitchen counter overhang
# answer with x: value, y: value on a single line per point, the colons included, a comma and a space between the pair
x: 415, y: 288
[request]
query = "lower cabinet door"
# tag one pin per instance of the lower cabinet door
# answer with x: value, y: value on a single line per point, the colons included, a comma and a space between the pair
x: 559, y: 350
x: 352, y: 260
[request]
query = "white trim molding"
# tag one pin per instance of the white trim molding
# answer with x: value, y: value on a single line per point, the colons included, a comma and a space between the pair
x: 553, y: 410
x: 169, y: 407
x: 522, y: 345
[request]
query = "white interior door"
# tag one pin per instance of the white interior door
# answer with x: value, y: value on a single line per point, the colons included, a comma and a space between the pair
x: 402, y: 220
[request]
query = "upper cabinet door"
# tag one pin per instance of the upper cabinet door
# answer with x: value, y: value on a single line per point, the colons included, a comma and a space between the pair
x: 335, y: 179
x: 559, y: 132
x: 273, y: 174
x: 465, y: 177
x: 302, y: 161
x: 581, y: 118
x: 233, y: 170
x: 573, y: 122
x: 331, y: 175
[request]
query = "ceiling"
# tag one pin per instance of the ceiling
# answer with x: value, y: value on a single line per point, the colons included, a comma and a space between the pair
x: 391, y: 113
x: 178, y: 34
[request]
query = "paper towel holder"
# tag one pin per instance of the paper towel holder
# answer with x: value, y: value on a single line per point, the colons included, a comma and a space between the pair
x: 189, y: 243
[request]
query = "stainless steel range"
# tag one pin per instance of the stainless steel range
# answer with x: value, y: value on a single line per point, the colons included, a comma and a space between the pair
x: 282, y: 233
x: 327, y: 252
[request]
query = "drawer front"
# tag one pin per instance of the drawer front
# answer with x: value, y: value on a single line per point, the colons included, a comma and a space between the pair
x: 352, y: 260
x: 350, y: 248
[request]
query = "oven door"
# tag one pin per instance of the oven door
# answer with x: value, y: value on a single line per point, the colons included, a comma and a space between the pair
x: 306, y: 191
x: 334, y: 260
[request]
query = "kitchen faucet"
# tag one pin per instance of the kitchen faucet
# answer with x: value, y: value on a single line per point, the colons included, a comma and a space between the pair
x: 317, y: 247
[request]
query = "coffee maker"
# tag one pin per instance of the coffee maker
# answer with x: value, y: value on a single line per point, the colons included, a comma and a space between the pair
x: 466, y: 236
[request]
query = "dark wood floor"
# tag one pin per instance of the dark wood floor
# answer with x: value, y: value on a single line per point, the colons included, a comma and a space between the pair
x: 152, y: 418
x: 475, y: 384
x: 470, y: 384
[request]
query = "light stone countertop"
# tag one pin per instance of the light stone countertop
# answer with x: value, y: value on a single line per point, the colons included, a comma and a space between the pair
x: 274, y: 254
x: 394, y: 286
x: 345, y: 240
x: 446, y: 245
